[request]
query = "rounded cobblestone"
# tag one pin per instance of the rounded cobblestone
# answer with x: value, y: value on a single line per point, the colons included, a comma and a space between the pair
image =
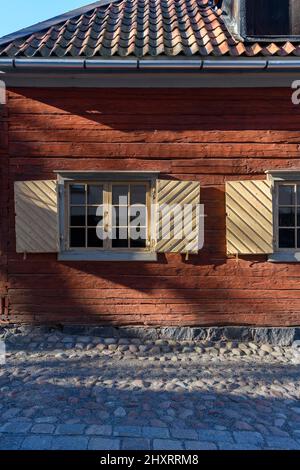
x: 62, y: 391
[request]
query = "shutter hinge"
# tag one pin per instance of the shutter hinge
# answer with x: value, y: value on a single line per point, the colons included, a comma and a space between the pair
x: 153, y: 194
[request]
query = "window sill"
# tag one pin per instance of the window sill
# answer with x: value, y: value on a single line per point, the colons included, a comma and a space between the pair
x: 285, y: 257
x: 106, y: 256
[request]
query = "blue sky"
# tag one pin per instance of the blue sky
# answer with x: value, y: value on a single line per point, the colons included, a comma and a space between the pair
x: 17, y: 14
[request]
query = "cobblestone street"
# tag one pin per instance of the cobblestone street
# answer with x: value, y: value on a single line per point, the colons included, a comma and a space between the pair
x: 68, y: 392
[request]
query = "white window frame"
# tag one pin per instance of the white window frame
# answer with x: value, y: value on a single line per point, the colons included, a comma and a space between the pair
x: 107, y: 253
x: 278, y: 177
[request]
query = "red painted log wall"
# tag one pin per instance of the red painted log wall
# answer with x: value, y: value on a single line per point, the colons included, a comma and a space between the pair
x: 206, y: 135
x: 3, y: 211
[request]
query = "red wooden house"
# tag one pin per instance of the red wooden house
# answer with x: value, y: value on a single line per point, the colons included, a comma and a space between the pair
x: 130, y: 104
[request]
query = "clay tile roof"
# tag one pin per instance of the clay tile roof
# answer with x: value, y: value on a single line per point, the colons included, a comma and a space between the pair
x: 139, y: 28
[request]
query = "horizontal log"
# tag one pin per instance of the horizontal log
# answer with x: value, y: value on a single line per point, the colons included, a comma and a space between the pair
x: 102, y: 135
x: 181, y: 94
x: 85, y: 297
x: 161, y: 103
x: 209, y: 320
x: 169, y: 265
x: 72, y: 281
x: 222, y: 122
x: 154, y: 151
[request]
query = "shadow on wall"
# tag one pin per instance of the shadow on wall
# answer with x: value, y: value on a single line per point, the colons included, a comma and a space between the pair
x: 205, y: 135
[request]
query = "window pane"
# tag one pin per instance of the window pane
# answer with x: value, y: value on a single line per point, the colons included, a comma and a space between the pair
x: 298, y: 194
x: 138, y: 237
x: 77, y: 194
x: 120, y: 216
x: 286, y: 238
x: 286, y: 217
x: 286, y: 195
x: 120, y: 238
x: 298, y: 238
x: 120, y: 194
x: 298, y: 217
x: 138, y: 194
x: 77, y: 215
x: 120, y: 243
x: 274, y: 18
x: 138, y: 215
x: 93, y: 240
x: 95, y: 194
x: 77, y: 237
x: 93, y: 218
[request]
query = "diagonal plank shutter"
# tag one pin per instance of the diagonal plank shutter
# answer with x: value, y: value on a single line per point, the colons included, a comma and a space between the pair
x: 36, y: 217
x: 249, y: 217
x: 177, y: 218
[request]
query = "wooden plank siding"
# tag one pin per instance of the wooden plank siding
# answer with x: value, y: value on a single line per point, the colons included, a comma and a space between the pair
x: 209, y: 136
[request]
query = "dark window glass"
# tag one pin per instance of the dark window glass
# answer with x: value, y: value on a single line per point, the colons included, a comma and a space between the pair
x: 93, y: 240
x: 77, y: 215
x: 138, y: 238
x: 298, y: 238
x: 93, y: 218
x: 120, y: 238
x: 286, y: 217
x: 140, y: 243
x: 286, y: 195
x: 138, y: 215
x: 272, y: 17
x: 77, y: 194
x: 95, y: 194
x: 138, y: 194
x: 120, y: 194
x: 77, y: 237
x: 298, y: 194
x: 286, y: 238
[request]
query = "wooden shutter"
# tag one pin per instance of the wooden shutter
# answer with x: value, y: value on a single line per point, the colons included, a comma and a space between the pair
x: 249, y: 217
x: 36, y: 217
x: 178, y: 196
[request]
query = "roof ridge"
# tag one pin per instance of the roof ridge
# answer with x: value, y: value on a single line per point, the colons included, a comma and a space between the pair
x: 37, y: 27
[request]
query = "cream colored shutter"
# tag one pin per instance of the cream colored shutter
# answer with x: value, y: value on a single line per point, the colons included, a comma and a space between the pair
x: 36, y: 217
x: 249, y: 217
x: 177, y: 217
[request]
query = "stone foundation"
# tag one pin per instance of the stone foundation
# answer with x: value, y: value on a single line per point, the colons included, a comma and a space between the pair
x: 274, y: 336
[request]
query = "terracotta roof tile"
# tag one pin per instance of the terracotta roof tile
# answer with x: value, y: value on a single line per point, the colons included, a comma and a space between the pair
x: 141, y: 28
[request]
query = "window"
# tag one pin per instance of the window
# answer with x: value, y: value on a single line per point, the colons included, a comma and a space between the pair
x: 108, y: 215
x: 288, y: 216
x: 272, y: 18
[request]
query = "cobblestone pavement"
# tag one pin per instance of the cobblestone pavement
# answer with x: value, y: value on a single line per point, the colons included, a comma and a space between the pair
x: 68, y: 392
